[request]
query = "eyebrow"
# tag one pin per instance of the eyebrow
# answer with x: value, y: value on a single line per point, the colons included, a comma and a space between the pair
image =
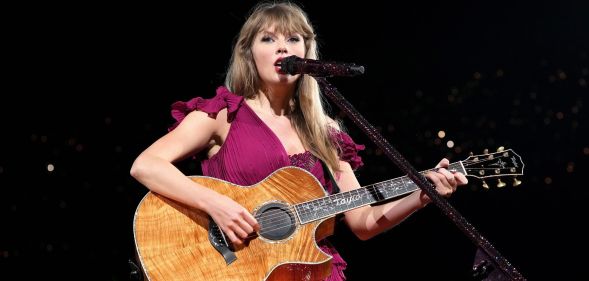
x: 268, y: 32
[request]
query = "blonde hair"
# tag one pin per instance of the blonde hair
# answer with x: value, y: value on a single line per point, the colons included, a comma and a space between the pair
x: 308, y: 117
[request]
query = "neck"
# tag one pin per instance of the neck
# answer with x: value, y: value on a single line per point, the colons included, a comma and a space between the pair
x: 338, y: 203
x: 277, y: 101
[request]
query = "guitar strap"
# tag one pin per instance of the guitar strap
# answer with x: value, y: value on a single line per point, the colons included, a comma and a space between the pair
x: 334, y: 186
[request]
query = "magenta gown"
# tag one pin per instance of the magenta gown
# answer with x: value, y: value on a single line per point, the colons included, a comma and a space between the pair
x: 252, y: 151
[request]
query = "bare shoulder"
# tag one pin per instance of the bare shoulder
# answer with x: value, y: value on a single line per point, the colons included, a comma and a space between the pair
x: 196, y: 132
x: 206, y: 123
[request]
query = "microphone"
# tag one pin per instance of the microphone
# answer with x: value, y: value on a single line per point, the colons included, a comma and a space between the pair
x: 294, y: 65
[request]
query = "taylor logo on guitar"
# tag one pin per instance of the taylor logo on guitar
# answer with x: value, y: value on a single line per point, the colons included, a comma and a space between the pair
x: 175, y: 242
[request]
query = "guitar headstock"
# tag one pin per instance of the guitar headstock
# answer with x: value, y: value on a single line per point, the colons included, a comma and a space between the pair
x: 494, y: 165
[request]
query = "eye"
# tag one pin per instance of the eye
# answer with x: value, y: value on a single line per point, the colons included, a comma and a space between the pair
x: 267, y: 38
x: 294, y: 39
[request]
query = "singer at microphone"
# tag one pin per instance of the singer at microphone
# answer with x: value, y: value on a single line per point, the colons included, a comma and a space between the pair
x: 295, y: 65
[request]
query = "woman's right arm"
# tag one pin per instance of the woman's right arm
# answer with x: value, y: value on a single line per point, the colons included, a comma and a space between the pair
x: 154, y: 168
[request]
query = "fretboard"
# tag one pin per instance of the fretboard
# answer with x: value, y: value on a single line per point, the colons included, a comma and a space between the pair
x: 338, y: 203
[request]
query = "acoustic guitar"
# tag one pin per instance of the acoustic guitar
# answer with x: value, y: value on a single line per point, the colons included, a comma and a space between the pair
x: 175, y: 242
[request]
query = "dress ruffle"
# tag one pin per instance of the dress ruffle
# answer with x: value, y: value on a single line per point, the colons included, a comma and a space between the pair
x: 348, y: 149
x: 223, y: 99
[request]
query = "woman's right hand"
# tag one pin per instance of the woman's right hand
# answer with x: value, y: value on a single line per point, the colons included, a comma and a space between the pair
x: 234, y: 220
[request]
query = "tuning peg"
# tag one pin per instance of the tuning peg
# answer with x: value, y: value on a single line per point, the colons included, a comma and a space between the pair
x: 500, y: 183
x: 485, y: 185
x: 500, y: 149
x: 486, y: 151
x: 473, y: 158
x: 516, y: 182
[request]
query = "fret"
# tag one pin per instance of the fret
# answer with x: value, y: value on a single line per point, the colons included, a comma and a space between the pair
x: 458, y: 167
x: 404, y: 182
x: 366, y: 199
x: 408, y: 184
x: 398, y: 186
x: 379, y: 194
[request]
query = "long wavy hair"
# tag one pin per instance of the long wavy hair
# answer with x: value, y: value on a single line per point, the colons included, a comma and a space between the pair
x: 308, y: 115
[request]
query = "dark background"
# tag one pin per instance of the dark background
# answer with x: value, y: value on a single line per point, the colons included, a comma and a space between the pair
x: 88, y: 87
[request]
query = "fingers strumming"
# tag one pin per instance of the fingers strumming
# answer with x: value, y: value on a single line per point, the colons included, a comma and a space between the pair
x: 240, y: 232
x: 252, y: 222
x: 233, y: 238
x: 245, y: 227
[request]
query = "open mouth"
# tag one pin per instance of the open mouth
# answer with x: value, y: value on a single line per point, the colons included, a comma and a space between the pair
x: 278, y: 62
x: 278, y: 66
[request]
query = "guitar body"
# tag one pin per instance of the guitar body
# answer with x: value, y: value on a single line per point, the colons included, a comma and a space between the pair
x: 172, y: 240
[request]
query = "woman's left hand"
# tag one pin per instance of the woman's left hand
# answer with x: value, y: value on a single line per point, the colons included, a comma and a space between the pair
x: 445, y: 181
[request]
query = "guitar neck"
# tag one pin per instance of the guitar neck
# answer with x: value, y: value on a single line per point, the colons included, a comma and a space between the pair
x: 341, y: 202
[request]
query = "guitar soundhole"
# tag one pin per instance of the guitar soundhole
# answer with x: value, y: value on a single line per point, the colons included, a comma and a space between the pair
x: 277, y: 222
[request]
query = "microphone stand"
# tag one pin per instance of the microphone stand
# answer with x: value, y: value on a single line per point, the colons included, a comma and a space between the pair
x: 487, y: 258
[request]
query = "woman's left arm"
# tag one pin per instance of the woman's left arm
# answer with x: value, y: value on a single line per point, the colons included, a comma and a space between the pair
x: 369, y: 221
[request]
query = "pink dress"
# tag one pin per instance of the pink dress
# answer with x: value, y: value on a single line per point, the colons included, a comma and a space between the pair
x: 252, y: 151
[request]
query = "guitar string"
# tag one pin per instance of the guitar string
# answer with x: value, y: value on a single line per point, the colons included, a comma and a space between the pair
x: 373, y: 187
x: 368, y: 188
x: 269, y: 219
x: 452, y: 165
x: 396, y: 186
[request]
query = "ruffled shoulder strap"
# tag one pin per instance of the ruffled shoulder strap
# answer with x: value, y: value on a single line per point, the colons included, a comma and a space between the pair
x: 347, y: 148
x: 223, y: 99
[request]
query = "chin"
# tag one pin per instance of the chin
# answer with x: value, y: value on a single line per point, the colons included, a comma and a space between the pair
x: 286, y: 79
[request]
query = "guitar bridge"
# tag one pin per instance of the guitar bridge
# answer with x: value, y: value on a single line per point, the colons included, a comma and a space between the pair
x: 217, y: 239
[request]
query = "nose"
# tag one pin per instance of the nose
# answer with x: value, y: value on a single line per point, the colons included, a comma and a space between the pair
x: 281, y: 47
x: 282, y: 50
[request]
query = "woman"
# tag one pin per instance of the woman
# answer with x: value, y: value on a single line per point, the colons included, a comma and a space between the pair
x: 263, y: 120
